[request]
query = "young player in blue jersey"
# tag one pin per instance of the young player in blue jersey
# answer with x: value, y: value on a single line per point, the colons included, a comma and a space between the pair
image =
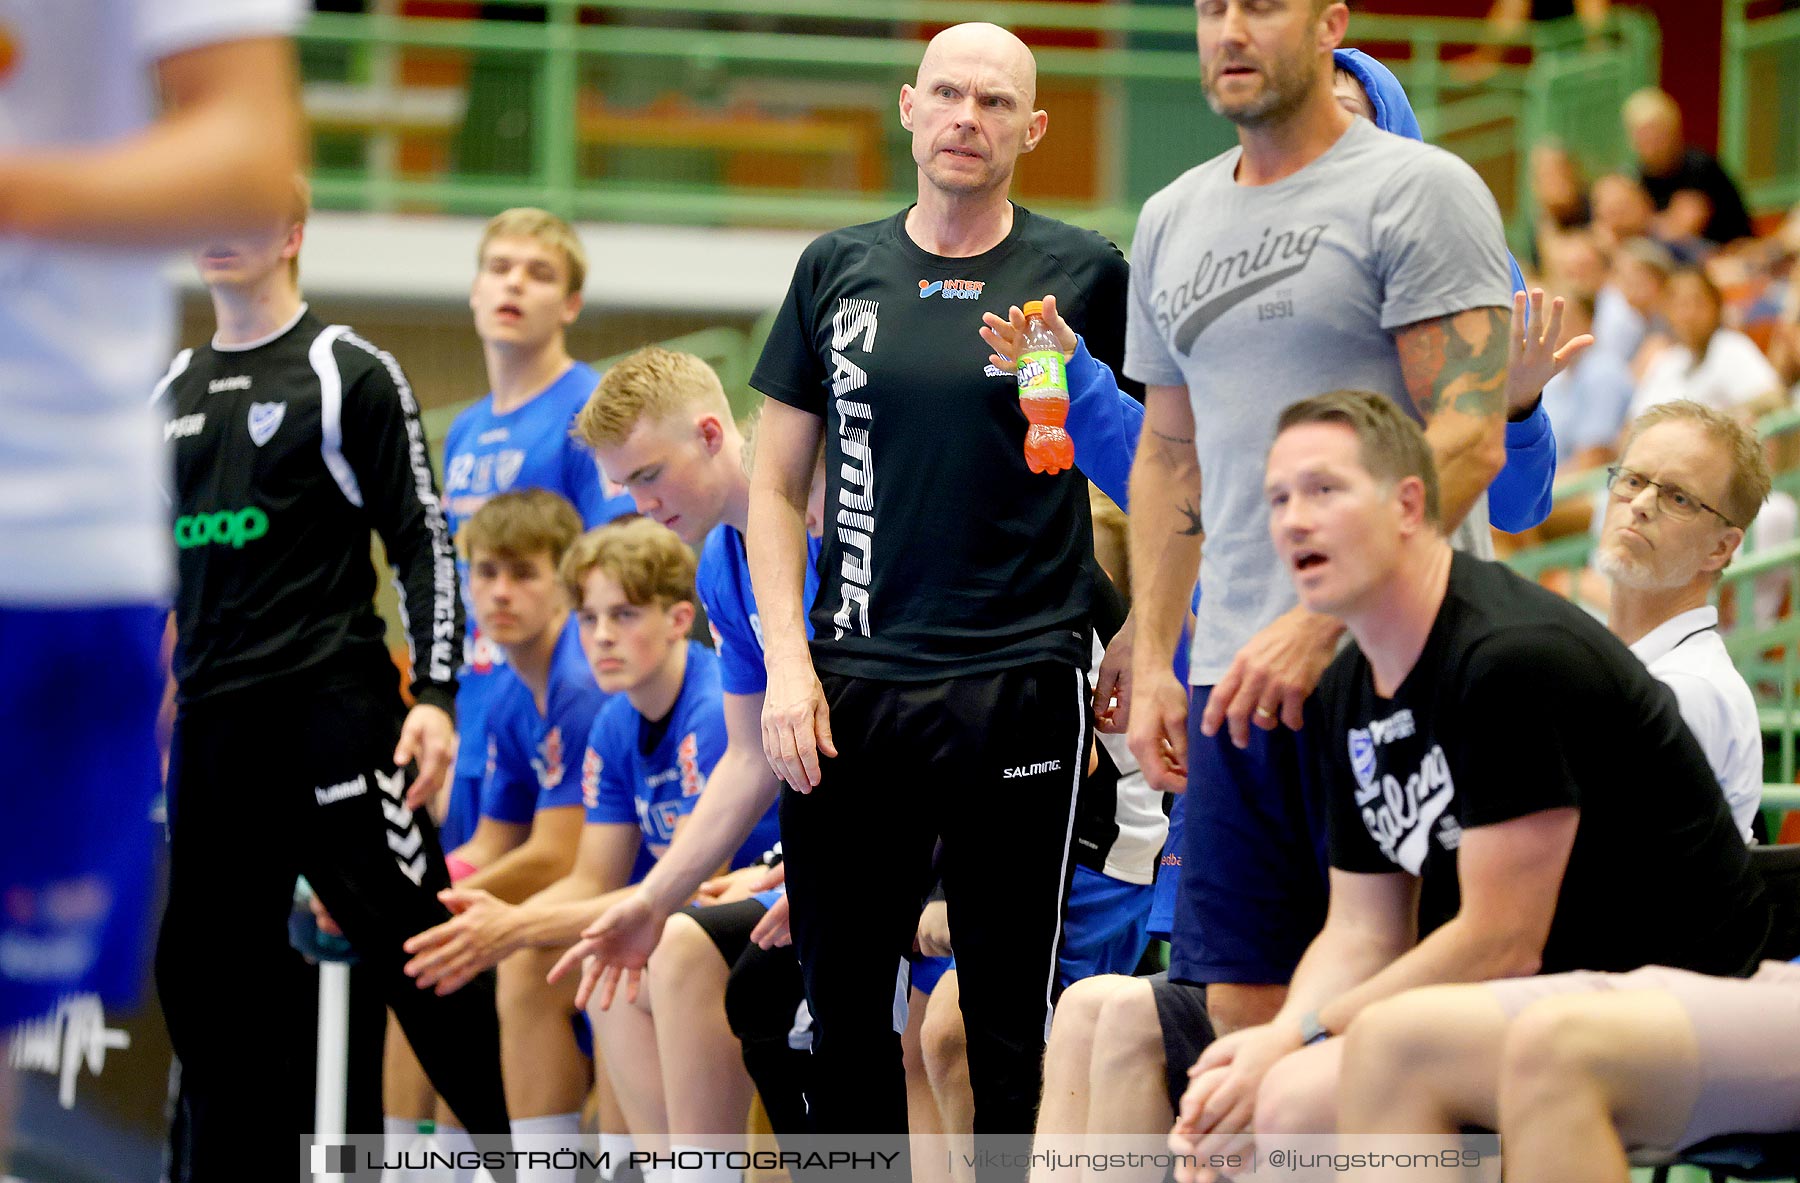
x: 527, y: 291
x: 647, y: 764
x: 544, y: 704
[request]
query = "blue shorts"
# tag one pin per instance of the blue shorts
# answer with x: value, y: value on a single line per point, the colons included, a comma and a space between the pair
x: 1253, y: 866
x: 77, y: 845
x: 1168, y: 874
x: 927, y: 972
x: 1106, y: 927
x: 462, y: 813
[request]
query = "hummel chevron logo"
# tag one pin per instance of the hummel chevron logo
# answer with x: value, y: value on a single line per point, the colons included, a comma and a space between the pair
x: 399, y: 816
x: 408, y: 846
x: 414, y: 870
x: 394, y: 785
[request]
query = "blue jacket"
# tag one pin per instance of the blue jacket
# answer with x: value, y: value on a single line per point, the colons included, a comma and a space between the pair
x: 1519, y: 498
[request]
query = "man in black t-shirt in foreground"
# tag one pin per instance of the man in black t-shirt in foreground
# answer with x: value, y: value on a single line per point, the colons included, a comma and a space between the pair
x: 950, y: 630
x: 1508, y: 789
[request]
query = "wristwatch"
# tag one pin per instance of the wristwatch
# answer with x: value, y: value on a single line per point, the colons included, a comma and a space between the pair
x: 1311, y: 1030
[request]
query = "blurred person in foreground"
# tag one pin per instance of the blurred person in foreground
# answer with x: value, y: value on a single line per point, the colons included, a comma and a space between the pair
x: 95, y: 177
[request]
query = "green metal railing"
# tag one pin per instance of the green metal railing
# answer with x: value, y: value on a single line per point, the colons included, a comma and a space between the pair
x: 1759, y: 142
x: 557, y: 110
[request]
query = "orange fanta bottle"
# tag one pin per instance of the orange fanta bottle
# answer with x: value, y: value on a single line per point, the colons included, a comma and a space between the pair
x: 1044, y: 396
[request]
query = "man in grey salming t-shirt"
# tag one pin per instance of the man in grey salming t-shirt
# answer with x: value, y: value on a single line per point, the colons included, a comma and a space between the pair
x: 1320, y: 254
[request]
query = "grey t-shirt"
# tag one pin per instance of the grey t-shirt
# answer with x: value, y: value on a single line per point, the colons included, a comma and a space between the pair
x: 1256, y: 297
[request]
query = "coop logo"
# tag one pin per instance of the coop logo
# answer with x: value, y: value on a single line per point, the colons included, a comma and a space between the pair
x: 228, y: 527
x: 951, y: 289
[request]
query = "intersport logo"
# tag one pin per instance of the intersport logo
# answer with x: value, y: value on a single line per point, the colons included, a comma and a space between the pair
x: 228, y: 527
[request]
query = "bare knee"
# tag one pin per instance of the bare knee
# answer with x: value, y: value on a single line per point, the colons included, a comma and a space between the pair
x: 1299, y: 1094
x: 1127, y: 1033
x: 521, y: 993
x: 1078, y: 1010
x: 1389, y: 1043
x: 684, y: 954
x: 1553, y: 1050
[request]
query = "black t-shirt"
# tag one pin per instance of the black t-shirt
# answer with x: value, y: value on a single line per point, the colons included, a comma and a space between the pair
x: 1521, y: 702
x: 287, y: 455
x: 944, y: 554
x: 1703, y: 173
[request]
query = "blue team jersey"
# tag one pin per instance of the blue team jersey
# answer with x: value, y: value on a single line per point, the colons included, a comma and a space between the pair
x: 723, y: 581
x: 529, y: 447
x: 530, y: 757
x: 621, y: 783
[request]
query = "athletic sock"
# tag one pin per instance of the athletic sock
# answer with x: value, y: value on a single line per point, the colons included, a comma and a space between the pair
x: 398, y: 1136
x: 705, y: 1174
x: 455, y: 1140
x: 615, y: 1151
x: 558, y: 1132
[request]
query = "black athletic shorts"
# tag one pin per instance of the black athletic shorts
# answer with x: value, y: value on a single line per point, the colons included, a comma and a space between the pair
x: 1186, y: 1030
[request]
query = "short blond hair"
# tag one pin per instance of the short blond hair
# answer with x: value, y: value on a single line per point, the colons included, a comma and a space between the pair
x: 653, y: 383
x: 1651, y: 105
x: 645, y: 558
x: 543, y: 227
x: 1750, y: 479
x: 516, y: 525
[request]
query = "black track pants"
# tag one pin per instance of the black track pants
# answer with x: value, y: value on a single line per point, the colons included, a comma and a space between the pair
x: 990, y: 764
x: 265, y: 785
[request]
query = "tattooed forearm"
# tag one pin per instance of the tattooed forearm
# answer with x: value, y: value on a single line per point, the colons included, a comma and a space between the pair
x: 1457, y: 362
x: 1190, y: 511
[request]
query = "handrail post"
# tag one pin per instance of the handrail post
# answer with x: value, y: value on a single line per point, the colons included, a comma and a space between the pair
x: 557, y: 99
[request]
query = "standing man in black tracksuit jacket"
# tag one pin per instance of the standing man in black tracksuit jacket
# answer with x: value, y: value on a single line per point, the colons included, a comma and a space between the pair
x: 293, y: 440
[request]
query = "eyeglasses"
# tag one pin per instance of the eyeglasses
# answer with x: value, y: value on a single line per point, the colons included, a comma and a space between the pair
x: 1675, y: 501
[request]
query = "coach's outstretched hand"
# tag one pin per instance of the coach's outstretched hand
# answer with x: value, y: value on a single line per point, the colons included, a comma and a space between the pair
x: 429, y: 736
x: 476, y: 938
x: 796, y: 721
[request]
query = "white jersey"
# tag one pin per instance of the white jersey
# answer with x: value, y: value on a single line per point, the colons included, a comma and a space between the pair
x: 85, y: 331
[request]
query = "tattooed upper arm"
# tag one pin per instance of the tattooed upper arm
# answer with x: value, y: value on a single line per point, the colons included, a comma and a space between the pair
x: 1457, y: 362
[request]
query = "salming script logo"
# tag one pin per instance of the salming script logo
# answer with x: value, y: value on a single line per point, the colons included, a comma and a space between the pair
x: 854, y: 324
x: 1037, y: 769
x: 1222, y: 282
x: 1402, y: 816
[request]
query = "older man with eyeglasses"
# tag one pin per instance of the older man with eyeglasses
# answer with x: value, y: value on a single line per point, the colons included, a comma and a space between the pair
x: 1688, y: 485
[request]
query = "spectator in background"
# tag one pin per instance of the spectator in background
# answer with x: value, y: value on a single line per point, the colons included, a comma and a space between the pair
x: 1560, y: 188
x: 1694, y: 196
x: 1629, y: 307
x: 1622, y: 211
x: 1784, y: 345
x: 1688, y: 485
x: 1575, y: 263
x: 1586, y: 402
x: 1707, y: 362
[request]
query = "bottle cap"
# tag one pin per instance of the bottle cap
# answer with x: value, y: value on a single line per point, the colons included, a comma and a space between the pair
x: 1033, y: 308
